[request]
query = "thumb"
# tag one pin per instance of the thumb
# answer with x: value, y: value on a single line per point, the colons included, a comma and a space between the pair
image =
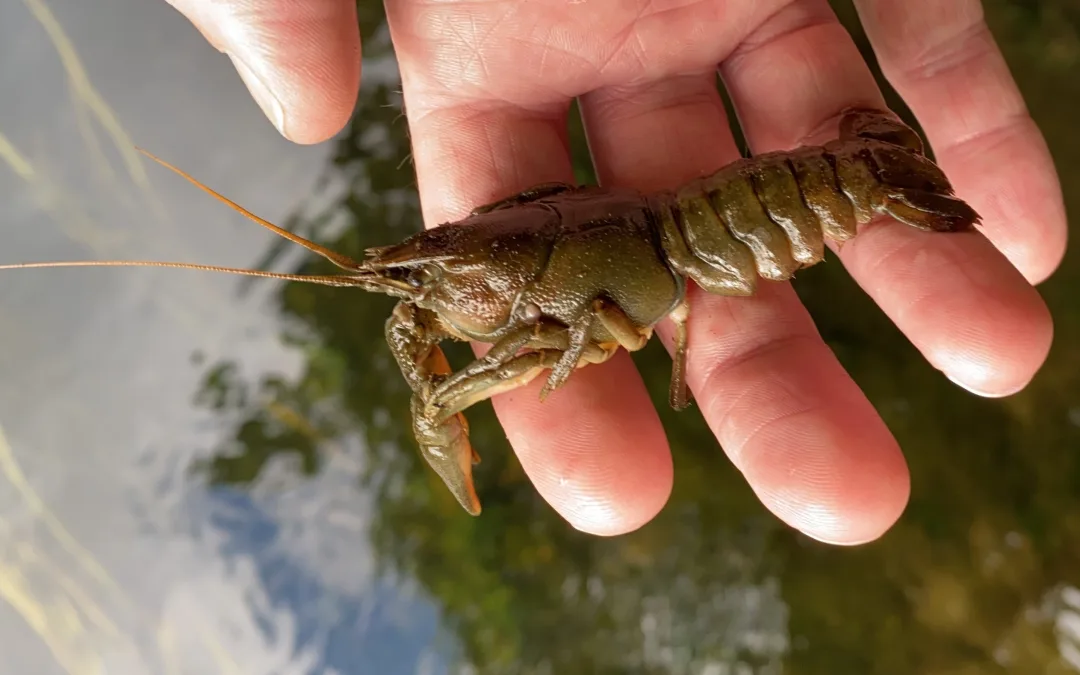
x: 299, y: 60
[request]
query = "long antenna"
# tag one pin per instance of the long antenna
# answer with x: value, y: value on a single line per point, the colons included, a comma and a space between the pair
x: 341, y: 261
x: 325, y: 280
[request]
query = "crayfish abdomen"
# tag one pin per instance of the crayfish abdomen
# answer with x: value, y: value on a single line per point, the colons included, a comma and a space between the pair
x: 769, y: 216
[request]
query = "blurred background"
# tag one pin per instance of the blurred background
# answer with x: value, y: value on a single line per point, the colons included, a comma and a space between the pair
x: 200, y: 474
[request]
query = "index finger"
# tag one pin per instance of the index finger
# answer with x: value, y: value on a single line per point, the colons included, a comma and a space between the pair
x: 299, y: 60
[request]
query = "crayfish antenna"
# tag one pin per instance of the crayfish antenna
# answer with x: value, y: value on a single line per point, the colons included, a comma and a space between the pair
x: 323, y: 280
x: 338, y: 259
x: 342, y: 261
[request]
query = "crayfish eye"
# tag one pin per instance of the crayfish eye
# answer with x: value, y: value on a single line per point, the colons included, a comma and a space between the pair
x: 423, y: 276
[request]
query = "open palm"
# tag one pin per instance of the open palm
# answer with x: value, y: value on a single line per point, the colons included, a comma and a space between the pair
x: 487, y: 85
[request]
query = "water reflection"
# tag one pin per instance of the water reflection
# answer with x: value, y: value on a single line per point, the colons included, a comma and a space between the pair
x: 115, y: 554
x: 274, y: 515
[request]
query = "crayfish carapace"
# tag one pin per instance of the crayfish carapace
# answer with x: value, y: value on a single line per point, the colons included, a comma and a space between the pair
x: 561, y: 276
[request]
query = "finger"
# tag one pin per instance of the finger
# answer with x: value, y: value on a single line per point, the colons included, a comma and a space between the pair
x: 598, y: 438
x: 806, y: 438
x: 299, y: 60
x: 969, y: 311
x: 942, y: 59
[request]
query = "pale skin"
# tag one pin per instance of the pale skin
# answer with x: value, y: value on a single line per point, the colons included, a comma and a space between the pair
x: 487, y: 85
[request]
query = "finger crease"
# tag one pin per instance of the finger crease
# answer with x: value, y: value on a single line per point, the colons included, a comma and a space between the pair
x: 737, y: 452
x: 470, y: 105
x: 956, y: 51
x: 713, y: 375
x: 630, y: 103
x: 483, y: 109
x: 995, y: 135
x: 758, y: 40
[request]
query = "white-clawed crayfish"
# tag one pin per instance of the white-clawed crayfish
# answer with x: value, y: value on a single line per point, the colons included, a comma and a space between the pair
x: 560, y: 276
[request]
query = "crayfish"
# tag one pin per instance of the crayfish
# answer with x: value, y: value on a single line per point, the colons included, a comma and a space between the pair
x: 561, y: 276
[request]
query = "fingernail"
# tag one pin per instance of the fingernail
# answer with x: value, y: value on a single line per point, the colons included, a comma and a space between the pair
x: 262, y: 94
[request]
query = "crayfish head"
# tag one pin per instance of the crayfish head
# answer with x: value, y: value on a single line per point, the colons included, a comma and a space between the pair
x: 470, y: 272
x: 408, y: 270
x: 408, y: 282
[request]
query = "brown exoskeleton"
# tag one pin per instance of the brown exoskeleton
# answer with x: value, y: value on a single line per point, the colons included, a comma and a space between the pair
x: 560, y: 276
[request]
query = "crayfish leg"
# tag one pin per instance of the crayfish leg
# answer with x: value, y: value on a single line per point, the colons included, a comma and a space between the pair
x: 529, y: 335
x: 579, y: 341
x: 503, y: 369
x: 582, y: 350
x: 679, y: 393
x: 515, y: 373
x: 629, y: 336
x: 413, y: 335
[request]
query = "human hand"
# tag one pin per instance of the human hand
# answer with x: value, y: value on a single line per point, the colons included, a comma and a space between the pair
x: 487, y: 86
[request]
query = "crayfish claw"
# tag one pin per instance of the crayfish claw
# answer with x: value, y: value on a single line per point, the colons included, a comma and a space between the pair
x: 446, y: 448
